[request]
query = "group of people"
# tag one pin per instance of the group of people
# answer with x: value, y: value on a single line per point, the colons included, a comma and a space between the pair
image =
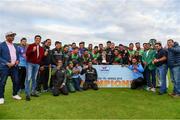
x: 37, y: 63
x: 153, y: 67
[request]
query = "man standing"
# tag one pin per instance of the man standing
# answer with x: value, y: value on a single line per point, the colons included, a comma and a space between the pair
x: 66, y: 55
x: 174, y: 65
x: 96, y: 56
x: 150, y: 69
x: 161, y: 63
x: 131, y: 50
x: 109, y: 53
x: 9, y: 66
x: 43, y: 76
x: 81, y: 48
x: 138, y: 48
x: 22, y: 63
x: 34, y: 55
x: 57, y: 53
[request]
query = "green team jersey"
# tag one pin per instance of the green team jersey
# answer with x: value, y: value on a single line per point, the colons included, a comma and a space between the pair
x: 131, y: 52
x: 75, y: 56
x: 95, y: 56
x: 117, y: 59
x: 69, y: 73
x: 90, y: 52
x: 141, y: 51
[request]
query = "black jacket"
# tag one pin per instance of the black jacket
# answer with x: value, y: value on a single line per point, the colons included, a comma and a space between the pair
x: 90, y: 74
x: 46, y: 59
x: 57, y: 55
x: 58, y: 77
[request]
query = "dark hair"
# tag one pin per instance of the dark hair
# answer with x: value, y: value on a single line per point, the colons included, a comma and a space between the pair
x: 82, y: 43
x: 144, y: 43
x: 148, y: 44
x: 134, y: 58
x: 85, y: 50
x: 23, y: 39
x: 131, y: 44
x: 158, y: 43
x: 37, y: 36
x: 75, y: 62
x: 108, y: 42
x: 65, y: 46
x: 57, y: 42
x: 95, y: 47
x: 171, y: 40
x: 76, y: 48
x: 137, y: 43
x: 47, y: 40
x: 116, y: 49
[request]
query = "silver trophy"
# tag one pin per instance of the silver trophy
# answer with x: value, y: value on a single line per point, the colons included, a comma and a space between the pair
x: 104, y: 57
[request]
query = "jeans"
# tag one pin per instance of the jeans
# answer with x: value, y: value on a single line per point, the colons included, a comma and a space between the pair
x: 31, y: 73
x: 77, y: 82
x: 175, y: 76
x: 4, y: 73
x: 150, y: 76
x: 161, y: 73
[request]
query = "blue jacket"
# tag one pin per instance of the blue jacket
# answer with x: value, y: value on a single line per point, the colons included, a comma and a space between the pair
x: 5, y: 55
x: 174, y: 55
x: 139, y: 72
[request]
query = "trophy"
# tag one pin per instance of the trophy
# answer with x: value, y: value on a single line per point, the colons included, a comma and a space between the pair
x: 104, y: 57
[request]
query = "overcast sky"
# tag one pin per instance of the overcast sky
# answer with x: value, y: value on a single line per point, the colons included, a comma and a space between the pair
x: 92, y: 21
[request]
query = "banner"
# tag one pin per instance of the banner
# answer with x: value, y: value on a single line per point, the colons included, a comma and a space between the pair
x: 113, y: 76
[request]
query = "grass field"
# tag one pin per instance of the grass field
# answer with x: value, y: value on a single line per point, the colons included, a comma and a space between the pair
x: 102, y: 104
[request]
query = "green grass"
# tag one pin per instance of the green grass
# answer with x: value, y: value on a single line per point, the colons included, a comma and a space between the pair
x: 102, y: 104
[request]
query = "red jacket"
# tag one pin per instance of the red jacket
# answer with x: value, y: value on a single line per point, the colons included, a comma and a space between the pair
x: 32, y: 55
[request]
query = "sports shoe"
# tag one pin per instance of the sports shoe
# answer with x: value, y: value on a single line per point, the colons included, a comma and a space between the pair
x: 17, y: 97
x: 172, y: 94
x: 148, y: 88
x: 34, y: 95
x: 1, y: 100
x: 176, y: 96
x: 153, y: 89
x: 28, y: 98
x: 44, y: 91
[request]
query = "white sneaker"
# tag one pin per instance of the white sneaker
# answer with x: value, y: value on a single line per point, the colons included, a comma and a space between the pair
x: 17, y: 97
x: 148, y: 88
x: 153, y: 89
x: 1, y: 100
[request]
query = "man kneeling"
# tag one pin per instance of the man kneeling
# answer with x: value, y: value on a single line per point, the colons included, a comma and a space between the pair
x: 59, y: 80
x: 90, y: 77
x: 137, y: 69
